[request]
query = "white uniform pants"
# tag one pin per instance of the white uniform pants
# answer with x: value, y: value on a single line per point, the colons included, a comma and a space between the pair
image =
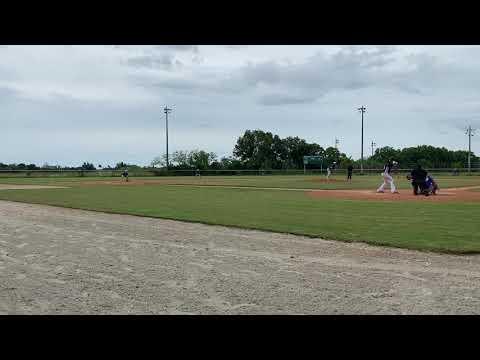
x: 387, y: 180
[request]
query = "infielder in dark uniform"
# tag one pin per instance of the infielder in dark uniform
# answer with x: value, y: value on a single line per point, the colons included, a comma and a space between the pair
x: 349, y: 172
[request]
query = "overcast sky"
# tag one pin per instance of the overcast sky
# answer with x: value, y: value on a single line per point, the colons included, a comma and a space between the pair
x: 104, y: 104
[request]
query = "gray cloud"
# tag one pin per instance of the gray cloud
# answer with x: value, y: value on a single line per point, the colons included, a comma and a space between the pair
x: 187, y: 48
x: 7, y: 94
x: 206, y: 84
x: 236, y: 47
x: 166, y: 61
x: 285, y: 99
x: 198, y: 59
x: 348, y: 69
x: 91, y: 93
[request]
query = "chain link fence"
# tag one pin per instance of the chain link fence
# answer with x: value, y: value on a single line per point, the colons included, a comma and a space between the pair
x: 212, y: 172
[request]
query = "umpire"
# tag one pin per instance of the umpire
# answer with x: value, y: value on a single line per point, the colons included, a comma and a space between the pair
x: 418, y: 177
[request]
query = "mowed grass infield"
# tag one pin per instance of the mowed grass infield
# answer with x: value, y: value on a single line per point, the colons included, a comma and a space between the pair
x: 432, y: 226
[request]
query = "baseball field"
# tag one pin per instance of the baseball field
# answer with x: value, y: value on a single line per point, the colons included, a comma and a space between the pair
x: 303, y: 205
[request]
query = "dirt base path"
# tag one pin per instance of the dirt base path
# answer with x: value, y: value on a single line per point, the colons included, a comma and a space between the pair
x: 450, y: 194
x: 21, y: 187
x: 464, y: 194
x: 64, y: 261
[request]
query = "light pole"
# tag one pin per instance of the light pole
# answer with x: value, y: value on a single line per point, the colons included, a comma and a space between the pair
x: 469, y: 132
x: 362, y: 110
x: 166, y: 110
x: 373, y: 145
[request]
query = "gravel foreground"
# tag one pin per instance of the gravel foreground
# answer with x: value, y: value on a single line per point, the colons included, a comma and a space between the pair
x: 63, y: 261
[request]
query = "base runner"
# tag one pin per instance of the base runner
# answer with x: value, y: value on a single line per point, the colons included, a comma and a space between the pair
x: 387, y: 178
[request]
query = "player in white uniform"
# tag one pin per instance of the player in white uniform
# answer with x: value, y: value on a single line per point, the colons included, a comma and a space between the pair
x: 387, y: 178
x: 330, y: 168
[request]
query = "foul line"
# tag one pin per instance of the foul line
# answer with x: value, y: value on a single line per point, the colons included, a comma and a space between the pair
x: 303, y: 189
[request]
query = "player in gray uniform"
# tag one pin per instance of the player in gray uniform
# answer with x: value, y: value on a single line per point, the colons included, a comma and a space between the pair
x: 387, y: 178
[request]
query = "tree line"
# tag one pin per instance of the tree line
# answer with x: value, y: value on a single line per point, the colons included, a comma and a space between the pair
x: 257, y: 149
x: 425, y: 155
x: 84, y: 166
x: 262, y: 150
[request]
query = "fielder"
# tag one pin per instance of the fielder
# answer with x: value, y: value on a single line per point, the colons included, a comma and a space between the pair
x: 330, y: 168
x: 349, y: 172
x: 387, y: 178
x: 125, y: 175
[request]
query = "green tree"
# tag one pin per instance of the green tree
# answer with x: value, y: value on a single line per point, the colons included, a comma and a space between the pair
x: 159, y: 161
x: 180, y: 159
x: 255, y: 149
x: 297, y: 148
x: 230, y: 163
x: 200, y: 159
x: 384, y: 154
x: 120, y: 165
x: 88, y: 166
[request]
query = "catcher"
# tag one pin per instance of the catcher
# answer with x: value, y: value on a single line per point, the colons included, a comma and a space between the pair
x: 431, y: 186
x: 427, y: 185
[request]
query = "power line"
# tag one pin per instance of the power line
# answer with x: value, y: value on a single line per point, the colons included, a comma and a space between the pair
x: 362, y: 110
x: 470, y: 133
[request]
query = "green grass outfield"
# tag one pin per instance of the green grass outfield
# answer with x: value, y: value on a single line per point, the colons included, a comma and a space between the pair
x: 434, y: 226
x: 275, y: 181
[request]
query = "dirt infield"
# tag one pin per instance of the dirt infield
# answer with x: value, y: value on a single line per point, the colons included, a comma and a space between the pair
x: 449, y: 194
x: 452, y: 194
x: 63, y: 261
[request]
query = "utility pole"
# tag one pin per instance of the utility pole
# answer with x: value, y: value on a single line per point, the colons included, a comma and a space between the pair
x: 362, y: 110
x: 470, y: 133
x: 166, y: 110
x: 373, y: 145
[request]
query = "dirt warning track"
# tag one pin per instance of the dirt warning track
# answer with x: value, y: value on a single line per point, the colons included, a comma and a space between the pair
x: 63, y: 261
